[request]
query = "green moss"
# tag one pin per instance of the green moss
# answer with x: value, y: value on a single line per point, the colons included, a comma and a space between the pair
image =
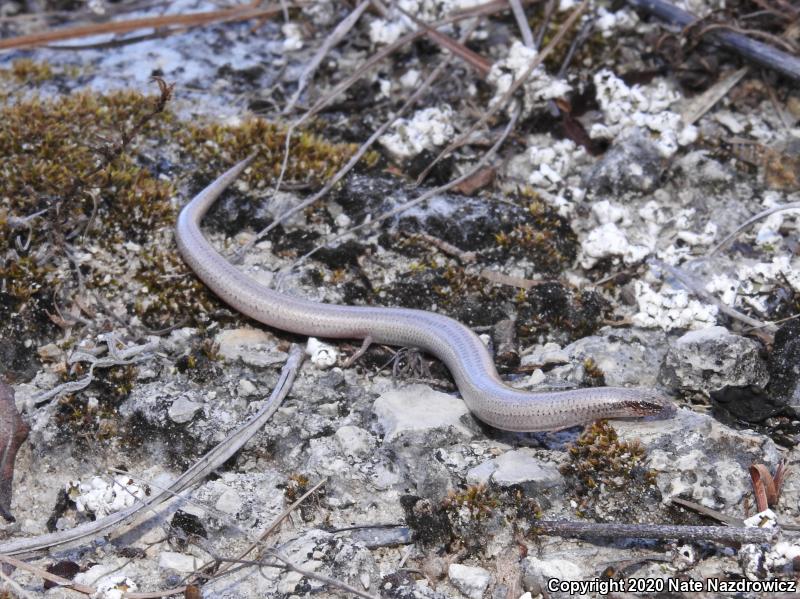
x: 478, y: 512
x: 478, y: 501
x: 72, y: 158
x: 547, y: 239
x: 601, y: 463
x: 26, y: 70
x: 593, y: 373
x: 312, y: 160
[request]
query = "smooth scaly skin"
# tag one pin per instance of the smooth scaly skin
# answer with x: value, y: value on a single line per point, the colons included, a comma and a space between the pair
x: 453, y: 343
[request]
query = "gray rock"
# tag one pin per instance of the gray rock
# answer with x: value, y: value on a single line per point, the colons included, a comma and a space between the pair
x: 521, y: 467
x: 633, y: 163
x: 415, y: 421
x: 536, y: 572
x: 697, y: 458
x: 354, y: 442
x: 627, y: 357
x: 711, y: 359
x: 251, y: 346
x: 183, y: 410
x: 246, y: 388
x: 470, y: 580
x: 418, y: 409
x: 179, y: 562
x: 543, y: 355
x: 229, y: 502
x: 482, y: 473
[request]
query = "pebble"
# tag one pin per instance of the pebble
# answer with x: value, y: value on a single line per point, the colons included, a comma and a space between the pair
x: 252, y: 346
x: 418, y: 408
x: 183, y: 410
x: 229, y: 502
x: 470, y: 580
x: 179, y: 562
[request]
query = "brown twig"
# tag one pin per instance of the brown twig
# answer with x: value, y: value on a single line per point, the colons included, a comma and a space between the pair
x: 719, y: 534
x: 500, y: 278
x: 444, y: 247
x: 475, y: 60
x: 708, y: 512
x: 45, y: 575
x: 237, y: 13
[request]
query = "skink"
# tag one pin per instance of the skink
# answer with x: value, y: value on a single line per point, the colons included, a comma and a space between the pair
x: 484, y: 392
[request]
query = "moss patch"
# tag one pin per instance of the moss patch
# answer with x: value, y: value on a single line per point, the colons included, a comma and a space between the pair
x: 601, y: 466
x: 87, y: 210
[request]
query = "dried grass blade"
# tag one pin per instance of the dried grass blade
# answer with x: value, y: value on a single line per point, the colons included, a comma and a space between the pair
x: 237, y: 13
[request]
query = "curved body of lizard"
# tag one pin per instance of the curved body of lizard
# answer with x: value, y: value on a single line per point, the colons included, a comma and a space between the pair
x: 458, y: 347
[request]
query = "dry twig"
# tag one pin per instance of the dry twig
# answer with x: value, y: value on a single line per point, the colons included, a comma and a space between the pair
x: 522, y: 22
x: 752, y: 50
x: 208, y: 463
x: 719, y: 534
x: 338, y: 33
x: 753, y: 219
x: 236, y: 13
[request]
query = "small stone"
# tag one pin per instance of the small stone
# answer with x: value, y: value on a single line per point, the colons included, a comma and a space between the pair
x: 519, y: 467
x: 482, y: 473
x: 179, y: 562
x: 183, y: 410
x: 229, y: 502
x: 322, y: 355
x: 251, y: 346
x: 418, y: 408
x: 50, y: 352
x: 711, y: 359
x: 470, y: 580
x: 543, y: 355
x: 246, y: 388
x: 354, y: 442
x: 536, y: 572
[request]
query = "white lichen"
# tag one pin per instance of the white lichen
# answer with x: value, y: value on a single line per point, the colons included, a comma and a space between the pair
x: 610, y: 23
x: 646, y: 107
x: 388, y: 30
x: 292, y: 37
x: 538, y: 87
x: 609, y: 241
x: 426, y: 130
x: 670, y: 308
x: 101, y: 497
